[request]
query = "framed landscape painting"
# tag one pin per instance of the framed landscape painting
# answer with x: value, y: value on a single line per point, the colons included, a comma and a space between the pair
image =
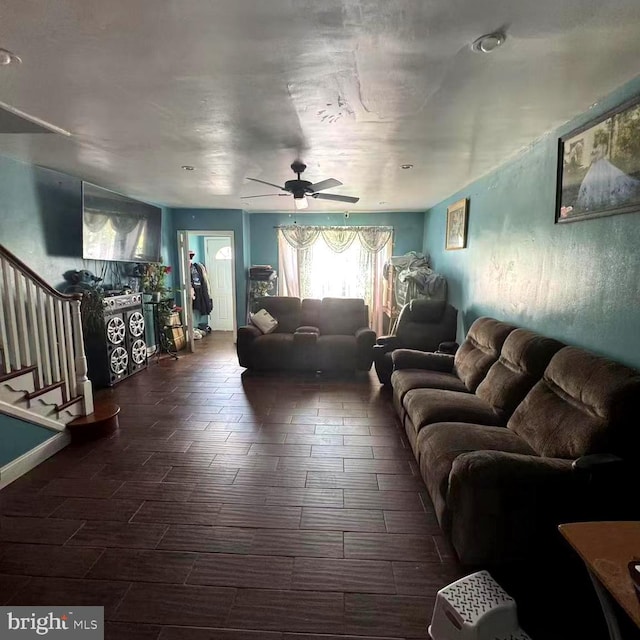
x: 599, y: 167
x: 456, y: 234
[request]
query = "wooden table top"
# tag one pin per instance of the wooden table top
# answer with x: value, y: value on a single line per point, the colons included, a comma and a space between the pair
x: 607, y: 548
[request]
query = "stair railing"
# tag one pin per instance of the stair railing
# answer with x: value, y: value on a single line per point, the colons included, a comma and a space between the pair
x: 42, y: 328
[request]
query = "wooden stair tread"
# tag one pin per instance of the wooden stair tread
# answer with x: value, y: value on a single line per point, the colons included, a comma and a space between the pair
x: 102, y: 422
x: 103, y: 411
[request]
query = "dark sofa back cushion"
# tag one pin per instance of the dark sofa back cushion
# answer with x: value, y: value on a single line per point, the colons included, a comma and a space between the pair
x: 284, y: 309
x: 480, y: 350
x: 310, y: 312
x: 583, y: 404
x: 342, y: 316
x: 424, y: 324
x: 523, y: 359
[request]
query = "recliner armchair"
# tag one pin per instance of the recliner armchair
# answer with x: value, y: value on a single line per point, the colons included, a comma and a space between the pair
x: 422, y: 325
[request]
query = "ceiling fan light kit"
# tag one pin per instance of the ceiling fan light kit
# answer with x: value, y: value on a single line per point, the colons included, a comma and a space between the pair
x: 301, y: 203
x: 300, y: 189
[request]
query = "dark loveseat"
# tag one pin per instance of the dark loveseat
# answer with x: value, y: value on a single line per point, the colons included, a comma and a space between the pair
x: 331, y: 334
x: 516, y: 434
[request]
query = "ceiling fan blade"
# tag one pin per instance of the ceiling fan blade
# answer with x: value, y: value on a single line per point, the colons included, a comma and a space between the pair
x: 263, y: 195
x: 329, y: 183
x: 277, y: 186
x: 337, y: 198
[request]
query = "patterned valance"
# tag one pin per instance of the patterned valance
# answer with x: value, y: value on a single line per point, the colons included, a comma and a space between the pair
x: 338, y: 239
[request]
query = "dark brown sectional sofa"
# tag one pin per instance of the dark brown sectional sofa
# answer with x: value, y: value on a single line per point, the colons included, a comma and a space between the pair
x: 515, y: 434
x: 331, y: 334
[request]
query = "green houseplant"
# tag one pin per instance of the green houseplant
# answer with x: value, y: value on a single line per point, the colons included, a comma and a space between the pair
x: 153, y: 279
x: 92, y: 310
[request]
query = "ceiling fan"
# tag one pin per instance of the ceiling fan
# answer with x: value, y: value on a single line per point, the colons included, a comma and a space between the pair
x: 300, y: 189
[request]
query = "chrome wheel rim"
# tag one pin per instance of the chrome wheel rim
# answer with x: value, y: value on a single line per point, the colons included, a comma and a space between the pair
x: 139, y: 351
x: 115, y: 330
x: 119, y: 360
x: 136, y: 324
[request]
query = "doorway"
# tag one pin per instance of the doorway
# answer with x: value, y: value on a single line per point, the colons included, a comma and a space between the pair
x: 215, y: 250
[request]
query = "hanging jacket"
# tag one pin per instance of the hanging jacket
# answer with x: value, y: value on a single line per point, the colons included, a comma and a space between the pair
x: 200, y: 283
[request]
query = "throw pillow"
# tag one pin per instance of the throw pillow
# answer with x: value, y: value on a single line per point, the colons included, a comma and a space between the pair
x: 264, y: 321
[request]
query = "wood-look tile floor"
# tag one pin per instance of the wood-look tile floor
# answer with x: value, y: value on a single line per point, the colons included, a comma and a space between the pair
x: 232, y: 506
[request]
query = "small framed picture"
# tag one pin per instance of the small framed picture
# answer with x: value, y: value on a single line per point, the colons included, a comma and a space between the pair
x: 457, y: 225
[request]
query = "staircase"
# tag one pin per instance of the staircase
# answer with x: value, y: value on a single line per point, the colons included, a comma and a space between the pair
x: 43, y: 367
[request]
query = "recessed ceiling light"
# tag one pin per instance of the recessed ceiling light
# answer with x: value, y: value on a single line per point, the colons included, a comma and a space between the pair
x: 406, y: 166
x: 489, y: 42
x: 8, y: 57
x: 188, y: 167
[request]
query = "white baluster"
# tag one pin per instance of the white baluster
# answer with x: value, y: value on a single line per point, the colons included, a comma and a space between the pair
x: 10, y: 317
x: 71, y: 363
x: 84, y: 384
x: 6, y: 362
x: 62, y: 348
x: 53, y: 338
x: 41, y: 303
x: 21, y: 319
x: 34, y: 328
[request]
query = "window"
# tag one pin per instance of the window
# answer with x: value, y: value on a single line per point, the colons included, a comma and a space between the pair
x: 341, y: 262
x: 224, y: 253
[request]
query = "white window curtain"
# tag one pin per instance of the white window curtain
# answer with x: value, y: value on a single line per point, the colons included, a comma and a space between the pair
x: 341, y: 262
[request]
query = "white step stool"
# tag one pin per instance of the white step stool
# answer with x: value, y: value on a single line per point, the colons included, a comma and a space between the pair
x: 475, y: 607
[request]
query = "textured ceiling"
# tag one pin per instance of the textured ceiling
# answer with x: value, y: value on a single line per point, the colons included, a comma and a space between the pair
x: 354, y: 88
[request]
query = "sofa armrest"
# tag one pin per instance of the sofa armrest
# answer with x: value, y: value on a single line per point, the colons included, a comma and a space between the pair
x: 598, y: 465
x: 308, y: 329
x: 448, y: 347
x: 412, y: 359
x: 244, y: 344
x: 365, y: 336
x: 505, y: 505
x: 388, y: 343
x: 365, y: 339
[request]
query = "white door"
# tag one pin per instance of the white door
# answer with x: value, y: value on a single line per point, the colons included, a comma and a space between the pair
x: 219, y: 260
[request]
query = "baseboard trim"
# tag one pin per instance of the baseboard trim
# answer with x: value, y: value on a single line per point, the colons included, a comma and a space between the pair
x: 31, y: 459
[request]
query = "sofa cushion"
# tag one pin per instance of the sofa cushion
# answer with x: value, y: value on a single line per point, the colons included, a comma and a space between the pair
x: 426, y: 406
x: 310, y: 312
x: 264, y: 321
x: 480, y: 350
x: 441, y: 443
x: 337, y: 353
x: 407, y: 379
x: 273, y: 351
x: 583, y: 404
x: 523, y: 359
x: 342, y: 316
x: 286, y: 310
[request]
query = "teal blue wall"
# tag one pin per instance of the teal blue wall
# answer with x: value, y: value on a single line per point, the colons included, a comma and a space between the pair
x: 41, y: 220
x: 579, y: 282
x: 17, y: 437
x: 217, y: 220
x: 408, y: 229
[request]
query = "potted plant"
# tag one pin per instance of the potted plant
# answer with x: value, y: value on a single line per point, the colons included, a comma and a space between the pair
x: 92, y: 310
x: 153, y: 279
